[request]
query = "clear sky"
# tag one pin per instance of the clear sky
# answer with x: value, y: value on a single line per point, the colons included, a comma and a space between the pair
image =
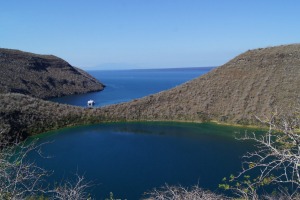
x: 102, y: 34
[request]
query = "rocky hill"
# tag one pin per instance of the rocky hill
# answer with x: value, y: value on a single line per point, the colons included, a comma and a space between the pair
x: 42, y: 76
x: 254, y: 83
x: 22, y: 115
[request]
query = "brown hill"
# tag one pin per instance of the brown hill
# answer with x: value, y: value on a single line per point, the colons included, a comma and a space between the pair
x: 254, y: 83
x: 42, y: 76
x: 22, y: 115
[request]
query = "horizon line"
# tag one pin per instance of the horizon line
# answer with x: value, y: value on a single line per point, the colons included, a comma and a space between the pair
x: 164, y: 68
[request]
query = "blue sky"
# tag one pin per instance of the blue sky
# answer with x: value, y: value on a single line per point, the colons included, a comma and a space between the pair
x: 115, y: 34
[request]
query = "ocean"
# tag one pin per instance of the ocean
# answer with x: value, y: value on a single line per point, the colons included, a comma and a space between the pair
x: 126, y: 85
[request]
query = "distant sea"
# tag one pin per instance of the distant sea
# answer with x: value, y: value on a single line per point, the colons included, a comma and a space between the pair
x: 126, y: 85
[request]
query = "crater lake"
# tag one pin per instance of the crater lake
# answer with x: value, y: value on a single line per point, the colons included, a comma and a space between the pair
x: 130, y: 159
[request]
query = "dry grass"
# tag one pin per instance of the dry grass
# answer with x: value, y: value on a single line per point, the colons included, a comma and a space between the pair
x: 22, y: 115
x: 254, y: 82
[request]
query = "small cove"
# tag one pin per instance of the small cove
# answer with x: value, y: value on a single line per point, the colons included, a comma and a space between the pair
x: 126, y: 85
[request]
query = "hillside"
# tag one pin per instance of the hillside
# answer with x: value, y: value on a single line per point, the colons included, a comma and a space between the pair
x: 22, y: 115
x: 254, y: 83
x: 42, y: 76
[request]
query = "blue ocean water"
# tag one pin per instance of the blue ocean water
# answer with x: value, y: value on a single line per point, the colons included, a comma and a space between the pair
x: 126, y: 85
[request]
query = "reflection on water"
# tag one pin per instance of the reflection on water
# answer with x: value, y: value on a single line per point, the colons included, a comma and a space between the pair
x: 131, y: 158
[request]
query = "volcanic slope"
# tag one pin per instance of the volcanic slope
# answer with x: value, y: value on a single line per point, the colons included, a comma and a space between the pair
x: 254, y: 83
x: 42, y: 76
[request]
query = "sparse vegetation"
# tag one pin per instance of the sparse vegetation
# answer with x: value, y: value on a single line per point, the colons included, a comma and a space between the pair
x: 22, y: 179
x: 76, y: 190
x: 19, y: 178
x: 250, y: 84
x: 182, y: 193
x: 42, y: 76
x: 275, y: 165
x: 22, y: 115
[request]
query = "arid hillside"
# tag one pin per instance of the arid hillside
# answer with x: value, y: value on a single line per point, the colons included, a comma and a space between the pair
x: 42, y: 76
x: 254, y: 83
x: 22, y: 115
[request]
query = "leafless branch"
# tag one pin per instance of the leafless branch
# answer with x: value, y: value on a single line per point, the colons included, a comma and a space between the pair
x: 181, y: 193
x: 76, y: 190
x: 276, y: 158
x: 19, y: 177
